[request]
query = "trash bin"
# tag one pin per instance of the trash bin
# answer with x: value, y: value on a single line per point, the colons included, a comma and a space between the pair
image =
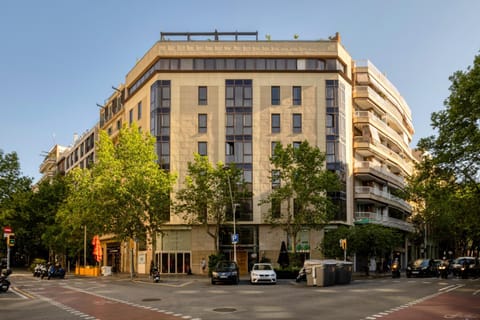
x: 106, y: 270
x: 311, y: 278
x: 343, y: 272
x: 329, y: 270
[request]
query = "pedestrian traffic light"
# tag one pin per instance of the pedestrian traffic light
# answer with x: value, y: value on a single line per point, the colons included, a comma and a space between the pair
x: 11, y: 240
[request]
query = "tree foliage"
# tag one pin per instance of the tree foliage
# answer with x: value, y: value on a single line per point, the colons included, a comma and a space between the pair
x: 125, y: 192
x: 302, y: 183
x: 366, y: 241
x: 205, y: 199
x: 446, y: 183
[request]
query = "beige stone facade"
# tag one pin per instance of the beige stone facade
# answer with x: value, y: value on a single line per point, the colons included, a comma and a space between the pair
x: 369, y: 135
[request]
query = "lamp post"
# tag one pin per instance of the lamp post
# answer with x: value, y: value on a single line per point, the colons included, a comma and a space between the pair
x: 234, y: 206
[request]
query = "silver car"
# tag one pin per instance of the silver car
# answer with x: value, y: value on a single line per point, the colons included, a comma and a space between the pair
x: 263, y: 273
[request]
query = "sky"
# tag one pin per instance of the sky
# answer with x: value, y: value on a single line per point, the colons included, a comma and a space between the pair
x: 58, y: 59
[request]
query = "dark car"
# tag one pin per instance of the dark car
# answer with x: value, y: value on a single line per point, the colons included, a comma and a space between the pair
x: 226, y: 272
x: 465, y: 267
x: 422, y: 268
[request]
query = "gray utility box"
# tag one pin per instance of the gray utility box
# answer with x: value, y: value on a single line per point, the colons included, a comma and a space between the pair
x: 321, y: 275
x: 343, y: 272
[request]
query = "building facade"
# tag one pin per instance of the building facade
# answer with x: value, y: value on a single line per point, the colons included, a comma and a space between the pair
x: 232, y: 97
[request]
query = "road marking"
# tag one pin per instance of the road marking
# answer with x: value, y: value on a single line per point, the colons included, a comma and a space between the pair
x: 476, y: 292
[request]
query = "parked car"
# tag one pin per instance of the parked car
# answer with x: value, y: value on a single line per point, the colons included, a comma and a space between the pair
x: 465, y: 267
x: 226, y: 272
x: 422, y: 268
x: 263, y: 272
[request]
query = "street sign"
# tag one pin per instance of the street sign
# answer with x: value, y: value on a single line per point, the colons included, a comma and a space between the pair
x: 234, y: 238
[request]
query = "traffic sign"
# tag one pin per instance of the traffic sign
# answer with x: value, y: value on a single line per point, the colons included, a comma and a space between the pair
x: 7, y: 230
x: 234, y: 238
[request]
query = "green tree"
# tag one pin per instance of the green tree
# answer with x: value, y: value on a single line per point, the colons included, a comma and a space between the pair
x: 446, y: 184
x: 125, y: 192
x: 205, y: 199
x: 301, y: 186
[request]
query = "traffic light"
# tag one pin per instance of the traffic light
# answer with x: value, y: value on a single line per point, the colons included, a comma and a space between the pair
x: 343, y: 244
x: 11, y: 240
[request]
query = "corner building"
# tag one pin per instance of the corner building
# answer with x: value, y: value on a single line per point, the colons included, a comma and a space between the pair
x: 233, y: 100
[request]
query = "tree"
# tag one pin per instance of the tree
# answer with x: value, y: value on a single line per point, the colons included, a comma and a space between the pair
x: 11, y: 183
x: 447, y: 179
x: 205, y: 198
x: 125, y: 192
x: 301, y: 184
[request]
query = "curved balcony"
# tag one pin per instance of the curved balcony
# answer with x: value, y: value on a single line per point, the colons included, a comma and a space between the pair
x: 380, y: 196
x: 365, y: 147
x: 372, y: 217
x: 376, y: 170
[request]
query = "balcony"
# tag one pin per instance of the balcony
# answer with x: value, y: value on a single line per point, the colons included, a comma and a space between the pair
x: 368, y: 168
x: 365, y: 147
x: 376, y: 218
x: 47, y: 164
x: 371, y: 119
x: 380, y: 196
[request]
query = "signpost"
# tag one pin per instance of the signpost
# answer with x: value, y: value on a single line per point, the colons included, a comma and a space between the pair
x: 7, y: 233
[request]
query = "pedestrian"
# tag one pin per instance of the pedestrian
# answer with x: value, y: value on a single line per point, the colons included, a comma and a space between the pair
x: 203, y: 264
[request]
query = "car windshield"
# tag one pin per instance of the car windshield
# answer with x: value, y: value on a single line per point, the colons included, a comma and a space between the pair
x: 226, y: 266
x: 262, y: 267
x: 420, y: 263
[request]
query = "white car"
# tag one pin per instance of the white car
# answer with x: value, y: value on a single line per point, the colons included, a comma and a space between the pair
x: 263, y: 272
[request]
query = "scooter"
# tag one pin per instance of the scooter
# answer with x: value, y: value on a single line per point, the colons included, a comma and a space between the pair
x: 396, y: 269
x: 155, y: 274
x: 4, y: 282
x: 56, y: 272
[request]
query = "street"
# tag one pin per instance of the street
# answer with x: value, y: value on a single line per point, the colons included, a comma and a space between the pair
x: 195, y: 298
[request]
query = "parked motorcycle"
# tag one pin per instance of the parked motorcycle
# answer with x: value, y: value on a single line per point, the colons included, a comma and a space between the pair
x: 155, y: 274
x: 396, y: 269
x: 38, y: 270
x: 4, y: 282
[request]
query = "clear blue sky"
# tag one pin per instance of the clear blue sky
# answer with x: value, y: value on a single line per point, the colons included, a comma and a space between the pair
x: 59, y: 58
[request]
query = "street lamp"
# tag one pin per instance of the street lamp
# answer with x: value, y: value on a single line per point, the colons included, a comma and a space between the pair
x: 234, y: 206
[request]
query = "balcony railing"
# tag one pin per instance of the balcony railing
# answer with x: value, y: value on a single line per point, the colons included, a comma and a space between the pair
x: 373, y: 217
x: 382, y: 196
x: 379, y: 170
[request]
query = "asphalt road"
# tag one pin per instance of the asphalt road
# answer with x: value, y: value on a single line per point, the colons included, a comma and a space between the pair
x: 196, y: 299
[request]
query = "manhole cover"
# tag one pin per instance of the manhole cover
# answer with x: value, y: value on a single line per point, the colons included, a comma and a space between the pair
x: 151, y: 299
x: 224, y: 309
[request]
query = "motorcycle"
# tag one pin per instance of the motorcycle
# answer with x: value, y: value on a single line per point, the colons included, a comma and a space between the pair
x: 4, y: 282
x: 443, y: 270
x: 396, y: 269
x: 155, y: 274
x: 56, y: 272
x: 38, y: 270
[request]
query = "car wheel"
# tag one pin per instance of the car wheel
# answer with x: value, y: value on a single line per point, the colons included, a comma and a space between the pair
x: 237, y: 280
x: 213, y: 281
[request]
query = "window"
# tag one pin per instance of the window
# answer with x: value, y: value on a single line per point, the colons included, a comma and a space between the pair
x: 297, y: 96
x: 202, y: 148
x: 202, y: 96
x: 275, y: 179
x: 274, y: 145
x: 139, y: 110
x: 119, y: 124
x: 296, y: 144
x: 297, y: 123
x: 130, y: 116
x: 276, y: 209
x: 275, y: 123
x: 275, y: 95
x: 202, y: 123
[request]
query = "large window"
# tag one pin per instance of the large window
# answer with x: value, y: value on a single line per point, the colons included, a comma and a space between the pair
x: 202, y: 123
x: 275, y: 123
x: 297, y: 96
x: 275, y: 95
x: 202, y: 96
x: 238, y: 93
x: 297, y: 122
